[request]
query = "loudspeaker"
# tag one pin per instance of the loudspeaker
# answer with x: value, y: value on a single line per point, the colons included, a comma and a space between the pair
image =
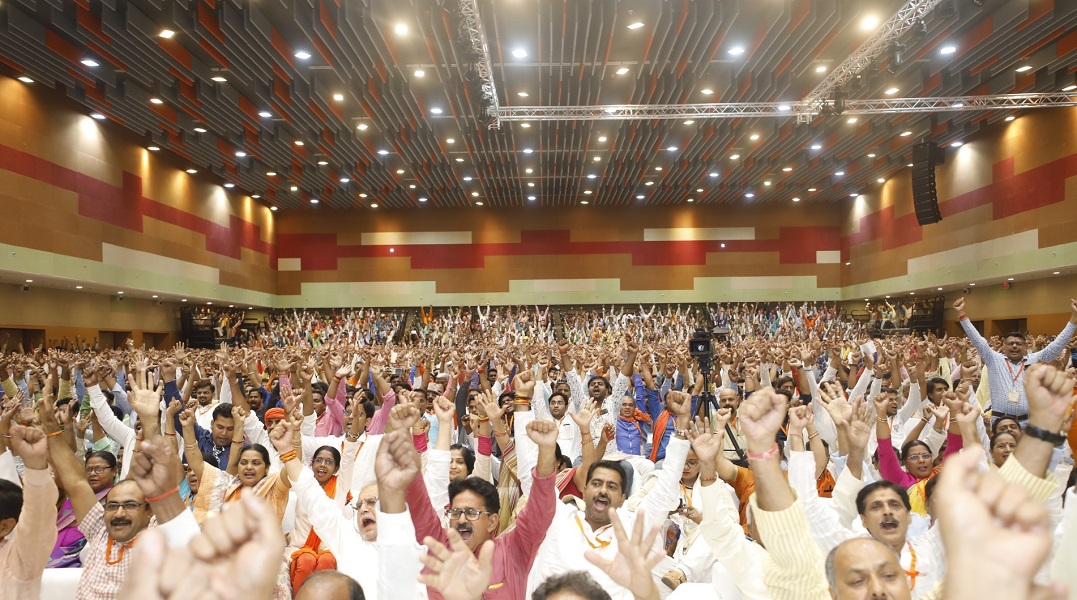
x: 925, y: 157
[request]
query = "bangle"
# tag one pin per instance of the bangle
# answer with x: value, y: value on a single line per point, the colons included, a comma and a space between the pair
x: 519, y: 396
x: 763, y: 456
x: 708, y: 479
x: 174, y: 490
x: 483, y: 419
x: 55, y: 433
x: 813, y: 436
x: 235, y: 442
x: 287, y: 456
x: 190, y: 445
x: 170, y: 434
x: 501, y: 433
x: 882, y: 419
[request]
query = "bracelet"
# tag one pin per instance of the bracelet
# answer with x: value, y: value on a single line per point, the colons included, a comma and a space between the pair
x: 881, y: 419
x: 522, y: 403
x: 483, y: 419
x: 170, y: 434
x: 190, y: 445
x: 519, y: 396
x: 501, y: 433
x: 763, y: 456
x: 237, y: 442
x: 287, y: 456
x: 813, y: 436
x: 55, y: 433
x: 708, y: 479
x: 174, y: 490
x: 1043, y: 435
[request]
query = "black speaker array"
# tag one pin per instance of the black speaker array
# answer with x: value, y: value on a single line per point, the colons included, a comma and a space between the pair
x: 925, y: 156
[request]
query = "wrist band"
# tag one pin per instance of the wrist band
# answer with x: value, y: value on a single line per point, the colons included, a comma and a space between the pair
x: 287, y: 456
x: 813, y: 436
x: 235, y: 442
x: 708, y: 479
x: 1042, y: 434
x: 483, y: 419
x: 763, y: 456
x: 174, y: 490
x: 170, y: 434
x: 55, y: 433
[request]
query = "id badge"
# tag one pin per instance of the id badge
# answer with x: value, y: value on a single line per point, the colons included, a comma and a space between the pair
x: 1014, y: 397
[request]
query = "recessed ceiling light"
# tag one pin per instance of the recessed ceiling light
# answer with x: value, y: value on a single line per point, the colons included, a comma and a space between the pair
x: 851, y: 120
x: 166, y: 33
x: 735, y: 50
x: 722, y: 244
x: 422, y: 199
x: 691, y: 200
x: 820, y: 69
x: 299, y: 142
x: 972, y: 284
x: 530, y: 184
x: 598, y: 159
x: 374, y: 205
x: 1023, y: 69
x: 880, y: 180
x: 948, y: 49
x: 468, y: 178
x: 362, y: 126
x: 525, y: 125
x: 153, y: 148
x: 229, y: 185
x: 411, y: 187
x: 89, y: 62
x: 1069, y: 88
x: 749, y: 195
x: 338, y: 97
x: 529, y: 170
x: 955, y: 145
x: 906, y: 133
x: 839, y: 173
x: 811, y: 189
x: 302, y: 55
x: 891, y: 91
x: 362, y: 195
x: 521, y: 94
x: 29, y: 281
x: 787, y: 169
x: 871, y: 155
x: 699, y: 190
x: 79, y: 287
x: 459, y: 160
x: 218, y: 79
x: 192, y: 170
x: 588, y: 192
x: 714, y: 174
x: 795, y: 199
x: 323, y: 162
x: 420, y: 73
x: 734, y: 156
x: 672, y: 149
x: 854, y: 195
x: 766, y: 183
x: 313, y: 200
x: 156, y: 100
x: 869, y: 22
x: 909, y: 165
x: 706, y: 91
x: 519, y: 53
x: 256, y: 196
x: 474, y: 194
x: 640, y: 197
x: 400, y: 171
x: 401, y: 29
x: 754, y: 137
x: 649, y: 183
x: 1055, y: 273
x: 435, y: 111
x: 97, y: 115
x: 635, y: 25
x: 658, y: 168
x: 383, y: 152
x: 294, y: 188
x: 584, y: 202
x: 689, y: 122
x: 344, y: 179
x: 528, y: 151
x: 591, y: 176
x: 1009, y: 279
x: 1010, y: 118
x: 622, y: 70
x: 450, y: 140
x: 938, y: 289
x: 120, y: 292
x: 25, y: 79
x: 265, y: 114
x: 200, y: 129
x: 271, y: 173
x: 601, y: 138
x: 816, y: 146
x: 240, y: 154
x: 530, y: 197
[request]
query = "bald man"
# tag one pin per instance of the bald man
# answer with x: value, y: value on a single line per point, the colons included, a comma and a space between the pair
x: 330, y: 584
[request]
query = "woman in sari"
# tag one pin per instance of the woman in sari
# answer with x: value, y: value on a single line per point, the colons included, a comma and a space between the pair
x: 101, y: 469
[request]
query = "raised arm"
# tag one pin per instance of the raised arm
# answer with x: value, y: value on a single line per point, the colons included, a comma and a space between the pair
x: 64, y: 463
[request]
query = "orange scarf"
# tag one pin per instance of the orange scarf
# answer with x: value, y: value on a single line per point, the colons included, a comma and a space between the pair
x: 660, y: 425
x: 313, y: 541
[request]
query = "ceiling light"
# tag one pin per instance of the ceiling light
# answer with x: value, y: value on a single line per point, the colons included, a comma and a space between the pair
x: 459, y: 160
x: 362, y: 126
x: 591, y: 176
x: 528, y: 151
x: 529, y: 170
x: 909, y: 165
x: 474, y: 194
x: 25, y: 79
x: 229, y: 185
x: 972, y: 284
x: 89, y: 62
x: 766, y: 183
x: 598, y: 159
x: 584, y: 202
x: 468, y: 178
x: 672, y: 149
x: 362, y: 195
x: 784, y: 108
x: 153, y: 148
x: 294, y: 188
x: 478, y: 203
x: 869, y: 22
x: 1023, y: 69
x: 521, y: 94
x: 420, y: 73
x: 1009, y: 279
x: 383, y: 152
x: 122, y: 293
x: 200, y: 129
x: 31, y: 281
x: 906, y: 133
x: 854, y: 195
x: 601, y: 138
x: 658, y: 168
x: 871, y: 155
x: 256, y: 196
x: 1010, y: 118
x: 79, y: 287
x: 422, y: 199
x: 880, y: 180
x: 635, y: 25
x: 313, y: 200
x: 699, y: 190
x: 955, y: 145
x: 820, y: 69
x: 851, y: 120
x: 588, y: 192
x: 649, y: 183
x: 240, y: 154
x: 839, y: 173
x: 640, y: 197
x: 265, y: 114
x: 166, y: 33
x: 271, y: 173
x: 736, y: 50
x: 689, y: 122
x: 530, y: 184
x: 374, y: 205
x: 450, y: 141
x: 754, y: 137
x: 816, y: 147
x: 435, y: 111
x: 622, y: 70
x: 734, y: 156
x: 722, y: 244
x: 749, y: 195
x: 156, y: 100
x: 714, y: 174
x: 299, y: 142
x: 192, y: 170
x: 811, y: 189
x: 530, y: 197
x: 787, y: 169
x: 97, y: 115
x: 400, y: 171
x: 957, y: 105
x: 947, y: 49
x: 302, y: 55
x: 1069, y: 88
x: 891, y: 91
x: 411, y: 187
x: 525, y: 125
x: 519, y: 53
x: 401, y: 29
x: 1055, y: 273
x: 691, y: 200
x: 938, y: 289
x: 338, y: 97
x: 706, y: 91
x: 323, y: 162
x: 344, y: 180
x: 795, y: 199
x: 273, y: 208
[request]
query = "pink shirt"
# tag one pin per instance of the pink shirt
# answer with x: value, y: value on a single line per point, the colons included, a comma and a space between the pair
x: 331, y: 421
x: 22, y: 560
x: 381, y: 416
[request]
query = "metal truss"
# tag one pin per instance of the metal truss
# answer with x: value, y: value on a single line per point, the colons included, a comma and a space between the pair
x: 869, y: 52
x: 471, y: 25
x: 635, y: 112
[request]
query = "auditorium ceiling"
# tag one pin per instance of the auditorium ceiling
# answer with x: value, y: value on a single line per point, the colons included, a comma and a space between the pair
x: 368, y: 104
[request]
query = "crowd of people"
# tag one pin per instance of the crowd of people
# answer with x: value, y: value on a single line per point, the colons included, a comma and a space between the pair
x: 490, y: 458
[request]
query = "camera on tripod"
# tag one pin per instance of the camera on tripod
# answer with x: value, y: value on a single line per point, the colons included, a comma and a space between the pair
x: 701, y: 346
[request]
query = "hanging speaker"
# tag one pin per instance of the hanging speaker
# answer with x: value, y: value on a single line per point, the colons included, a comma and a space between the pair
x: 925, y: 157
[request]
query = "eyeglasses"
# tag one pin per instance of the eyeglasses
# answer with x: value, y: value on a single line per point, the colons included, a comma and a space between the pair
x: 327, y: 461
x: 919, y: 457
x: 691, y: 464
x: 129, y: 506
x: 472, y: 514
x: 371, y: 502
x: 1014, y: 343
x: 97, y: 470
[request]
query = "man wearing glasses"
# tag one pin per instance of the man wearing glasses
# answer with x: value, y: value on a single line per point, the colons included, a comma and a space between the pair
x: 1006, y: 369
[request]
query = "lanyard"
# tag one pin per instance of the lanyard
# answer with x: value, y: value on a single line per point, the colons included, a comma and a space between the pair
x: 119, y: 557
x: 600, y: 542
x: 687, y: 496
x: 912, y: 573
x: 1019, y: 370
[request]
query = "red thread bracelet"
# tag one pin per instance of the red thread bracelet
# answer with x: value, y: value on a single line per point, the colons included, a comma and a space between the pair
x: 174, y: 490
x: 762, y: 456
